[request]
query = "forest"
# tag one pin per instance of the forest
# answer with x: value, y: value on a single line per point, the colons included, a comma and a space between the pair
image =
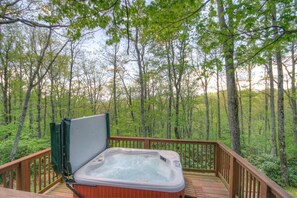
x: 201, y: 70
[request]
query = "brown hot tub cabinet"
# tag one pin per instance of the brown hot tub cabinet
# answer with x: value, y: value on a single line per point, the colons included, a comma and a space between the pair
x: 80, y: 153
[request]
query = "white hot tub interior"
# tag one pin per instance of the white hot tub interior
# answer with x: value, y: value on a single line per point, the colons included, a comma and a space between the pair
x: 156, y: 170
x: 147, y: 167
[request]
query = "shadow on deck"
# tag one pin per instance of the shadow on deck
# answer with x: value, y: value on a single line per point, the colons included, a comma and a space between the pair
x: 197, y: 185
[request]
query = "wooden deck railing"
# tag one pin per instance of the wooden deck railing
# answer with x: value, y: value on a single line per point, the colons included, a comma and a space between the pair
x: 34, y: 173
x: 240, y: 177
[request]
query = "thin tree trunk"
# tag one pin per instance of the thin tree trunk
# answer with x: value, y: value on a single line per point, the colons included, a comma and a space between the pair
x: 45, y: 114
x: 115, y: 107
x: 250, y: 103
x: 205, y: 85
x: 240, y: 109
x: 72, y: 48
x: 5, y: 87
x: 141, y: 82
x: 39, y: 110
x: 218, y: 106
x: 129, y: 98
x: 272, y: 108
x: 176, y: 126
x: 31, y: 119
x: 170, y: 88
x: 266, y: 119
x: 21, y: 123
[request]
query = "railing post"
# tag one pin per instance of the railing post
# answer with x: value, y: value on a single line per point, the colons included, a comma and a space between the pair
x: 263, y: 190
x: 23, y: 176
x: 217, y: 159
x: 147, y: 144
x: 234, y: 177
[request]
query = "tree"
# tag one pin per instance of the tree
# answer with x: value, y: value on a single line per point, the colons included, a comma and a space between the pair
x: 228, y: 53
x: 280, y: 101
x: 35, y: 68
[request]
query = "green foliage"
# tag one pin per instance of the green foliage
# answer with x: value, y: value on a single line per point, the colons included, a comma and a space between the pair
x: 271, y: 167
x: 292, y: 165
x: 28, y: 144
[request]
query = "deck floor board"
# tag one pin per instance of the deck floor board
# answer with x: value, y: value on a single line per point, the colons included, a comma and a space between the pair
x: 197, y: 185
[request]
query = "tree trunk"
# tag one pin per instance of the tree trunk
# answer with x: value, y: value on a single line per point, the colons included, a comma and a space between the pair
x: 250, y: 103
x: 53, y: 108
x: 170, y: 89
x: 141, y: 82
x: 240, y: 109
x: 31, y: 119
x: 115, y: 107
x: 72, y: 48
x: 44, y: 114
x: 272, y: 108
x: 205, y: 86
x: 280, y: 104
x: 176, y: 125
x: 21, y: 123
x: 218, y: 106
x: 293, y: 96
x: 228, y: 53
x: 5, y: 85
x: 129, y: 98
x: 39, y: 110
x: 266, y: 119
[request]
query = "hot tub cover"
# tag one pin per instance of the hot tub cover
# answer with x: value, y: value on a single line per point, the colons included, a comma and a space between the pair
x: 74, y: 142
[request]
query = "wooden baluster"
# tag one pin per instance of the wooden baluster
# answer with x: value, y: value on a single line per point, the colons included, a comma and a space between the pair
x: 39, y: 173
x: 247, y: 183
x: 4, y: 179
x: 192, y: 156
x: 251, y: 185
x: 206, y: 156
x: 240, y: 181
x: 189, y: 155
x: 49, y: 168
x: 198, y: 157
x: 11, y: 179
x: 254, y: 187
x: 44, y: 171
x: 34, y: 168
x: 258, y: 189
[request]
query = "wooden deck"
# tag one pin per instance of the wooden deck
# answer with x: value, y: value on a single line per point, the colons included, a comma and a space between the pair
x: 237, y: 177
x: 197, y: 185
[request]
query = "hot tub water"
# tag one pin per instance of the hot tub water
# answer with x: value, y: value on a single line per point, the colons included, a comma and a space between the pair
x: 130, y: 167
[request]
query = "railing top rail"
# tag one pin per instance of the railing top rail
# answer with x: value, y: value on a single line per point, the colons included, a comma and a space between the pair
x: 163, y: 140
x: 259, y: 175
x: 32, y: 156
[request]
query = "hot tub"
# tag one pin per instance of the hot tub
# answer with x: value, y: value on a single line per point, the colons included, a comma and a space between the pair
x: 80, y: 152
x: 146, y: 170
